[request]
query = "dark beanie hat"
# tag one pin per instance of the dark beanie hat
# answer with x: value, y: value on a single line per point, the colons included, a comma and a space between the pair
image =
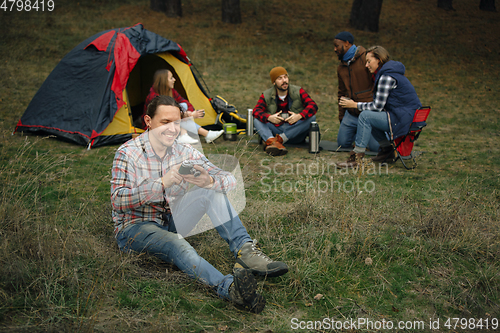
x: 345, y: 36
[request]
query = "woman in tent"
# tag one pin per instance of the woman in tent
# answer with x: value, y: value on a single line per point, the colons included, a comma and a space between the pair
x: 389, y: 116
x: 163, y: 84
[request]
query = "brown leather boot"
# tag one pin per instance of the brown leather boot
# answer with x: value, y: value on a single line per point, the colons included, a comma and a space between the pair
x: 268, y: 142
x: 274, y: 146
x: 352, y: 161
x: 386, y: 154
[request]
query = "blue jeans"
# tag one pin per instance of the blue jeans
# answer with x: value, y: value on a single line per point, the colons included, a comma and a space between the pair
x: 347, y: 133
x: 190, y: 126
x: 295, y: 133
x: 165, y: 242
x: 371, y: 123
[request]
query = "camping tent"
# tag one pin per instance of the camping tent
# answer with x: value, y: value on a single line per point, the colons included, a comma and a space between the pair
x: 96, y: 93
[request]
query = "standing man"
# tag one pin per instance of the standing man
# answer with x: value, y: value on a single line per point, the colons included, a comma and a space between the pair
x: 356, y: 83
x: 283, y: 113
x: 154, y: 207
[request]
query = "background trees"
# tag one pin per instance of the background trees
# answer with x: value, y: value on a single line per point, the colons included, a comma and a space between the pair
x: 231, y: 12
x: 365, y: 14
x: 171, y: 8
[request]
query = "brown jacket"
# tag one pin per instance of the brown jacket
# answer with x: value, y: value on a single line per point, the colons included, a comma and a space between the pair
x: 355, y: 81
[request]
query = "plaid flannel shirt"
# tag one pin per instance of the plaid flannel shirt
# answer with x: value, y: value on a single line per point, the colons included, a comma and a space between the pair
x: 384, y: 87
x: 137, y: 192
x: 310, y: 107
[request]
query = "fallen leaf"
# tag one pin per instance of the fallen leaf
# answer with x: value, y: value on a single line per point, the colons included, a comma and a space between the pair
x: 318, y: 297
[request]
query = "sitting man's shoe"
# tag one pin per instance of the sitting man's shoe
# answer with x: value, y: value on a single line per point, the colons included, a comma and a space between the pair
x: 352, y: 161
x: 386, y: 154
x: 251, y: 257
x: 213, y: 135
x: 243, y: 292
x: 274, y: 146
x: 185, y: 138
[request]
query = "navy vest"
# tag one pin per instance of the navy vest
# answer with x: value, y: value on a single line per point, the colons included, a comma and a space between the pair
x: 402, y: 101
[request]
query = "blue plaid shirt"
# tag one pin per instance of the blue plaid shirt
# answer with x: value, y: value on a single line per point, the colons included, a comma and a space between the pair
x: 384, y: 87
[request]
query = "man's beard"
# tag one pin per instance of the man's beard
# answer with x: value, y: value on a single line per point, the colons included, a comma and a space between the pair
x: 341, y: 54
x: 281, y: 89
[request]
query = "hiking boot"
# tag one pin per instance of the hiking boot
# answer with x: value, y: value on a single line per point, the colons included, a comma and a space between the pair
x: 251, y: 257
x: 213, y: 135
x: 386, y: 154
x: 274, y: 146
x: 352, y: 161
x: 243, y: 292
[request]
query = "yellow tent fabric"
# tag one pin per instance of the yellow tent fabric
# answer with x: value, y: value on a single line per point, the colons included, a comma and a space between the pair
x: 122, y: 122
x: 139, y: 83
x: 194, y: 94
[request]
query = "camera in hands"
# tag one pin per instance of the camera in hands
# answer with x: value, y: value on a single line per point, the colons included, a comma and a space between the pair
x: 187, y: 168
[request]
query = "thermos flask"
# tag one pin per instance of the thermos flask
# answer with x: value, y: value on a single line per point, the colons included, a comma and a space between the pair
x: 249, y: 122
x: 314, y: 138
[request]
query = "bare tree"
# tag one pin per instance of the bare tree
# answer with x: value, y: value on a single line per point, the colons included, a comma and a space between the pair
x: 157, y: 5
x: 231, y: 12
x: 488, y: 5
x: 446, y: 4
x: 171, y: 8
x: 365, y: 14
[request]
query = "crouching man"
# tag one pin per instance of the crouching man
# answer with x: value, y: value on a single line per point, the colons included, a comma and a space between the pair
x: 156, y: 203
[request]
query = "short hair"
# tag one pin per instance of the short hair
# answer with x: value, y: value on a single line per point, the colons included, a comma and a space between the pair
x: 162, y: 100
x: 379, y: 53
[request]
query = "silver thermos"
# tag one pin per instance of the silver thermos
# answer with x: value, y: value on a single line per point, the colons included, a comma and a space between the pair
x: 314, y: 138
x: 250, y: 122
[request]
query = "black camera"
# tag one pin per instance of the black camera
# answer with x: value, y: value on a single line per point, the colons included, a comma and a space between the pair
x: 187, y: 168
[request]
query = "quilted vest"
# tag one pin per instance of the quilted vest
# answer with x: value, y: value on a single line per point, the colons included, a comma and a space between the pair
x: 294, y: 100
x: 402, y: 101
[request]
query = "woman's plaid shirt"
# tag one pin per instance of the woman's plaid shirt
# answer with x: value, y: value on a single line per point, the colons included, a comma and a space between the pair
x: 137, y: 193
x: 384, y: 87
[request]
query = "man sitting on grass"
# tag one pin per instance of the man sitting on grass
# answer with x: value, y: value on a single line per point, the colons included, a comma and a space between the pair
x: 283, y: 113
x: 153, y: 209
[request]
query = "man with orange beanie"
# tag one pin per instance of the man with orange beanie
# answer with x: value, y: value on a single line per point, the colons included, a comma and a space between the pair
x: 283, y: 113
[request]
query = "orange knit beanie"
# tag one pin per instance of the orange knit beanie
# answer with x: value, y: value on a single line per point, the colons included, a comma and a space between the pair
x: 276, y: 72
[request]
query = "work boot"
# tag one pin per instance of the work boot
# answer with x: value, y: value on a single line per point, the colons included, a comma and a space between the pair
x: 251, y: 257
x: 352, y: 161
x: 243, y: 291
x: 274, y: 146
x: 386, y: 154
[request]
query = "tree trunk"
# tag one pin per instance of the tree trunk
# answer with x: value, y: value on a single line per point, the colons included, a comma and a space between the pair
x: 157, y: 5
x: 488, y: 5
x: 231, y: 12
x: 446, y: 4
x: 365, y: 14
x: 171, y: 8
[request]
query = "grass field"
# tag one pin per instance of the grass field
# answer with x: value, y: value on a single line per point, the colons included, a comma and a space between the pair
x: 386, y: 245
